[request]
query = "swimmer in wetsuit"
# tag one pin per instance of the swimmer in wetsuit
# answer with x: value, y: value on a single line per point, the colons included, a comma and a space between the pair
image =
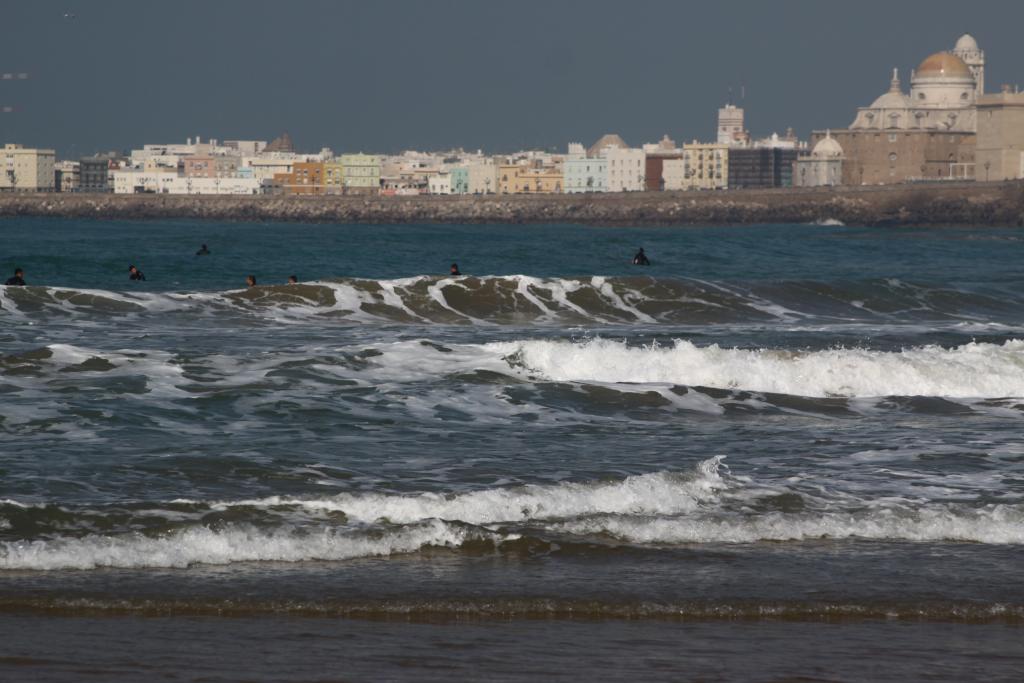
x: 18, y: 280
x: 135, y: 274
x: 454, y: 270
x: 292, y: 280
x: 250, y: 280
x: 203, y: 251
x: 641, y: 258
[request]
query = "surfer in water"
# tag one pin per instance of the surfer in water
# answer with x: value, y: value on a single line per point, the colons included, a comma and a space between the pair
x: 17, y: 280
x: 203, y: 251
x: 454, y: 270
x: 135, y: 274
x: 292, y: 280
x: 250, y: 280
x: 641, y: 258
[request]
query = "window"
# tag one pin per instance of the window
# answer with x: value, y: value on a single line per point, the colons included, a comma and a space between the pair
x: 892, y: 157
x: 892, y: 137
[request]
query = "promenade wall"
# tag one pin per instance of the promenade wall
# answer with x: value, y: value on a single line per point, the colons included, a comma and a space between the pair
x: 962, y: 204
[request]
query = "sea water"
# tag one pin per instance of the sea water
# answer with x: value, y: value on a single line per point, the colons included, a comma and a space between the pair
x: 777, y: 452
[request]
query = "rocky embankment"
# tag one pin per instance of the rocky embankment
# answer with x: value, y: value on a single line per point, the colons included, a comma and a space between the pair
x: 962, y: 204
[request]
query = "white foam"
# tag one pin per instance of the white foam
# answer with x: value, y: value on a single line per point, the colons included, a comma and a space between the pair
x: 995, y: 524
x: 643, y: 494
x: 970, y: 371
x: 202, y: 545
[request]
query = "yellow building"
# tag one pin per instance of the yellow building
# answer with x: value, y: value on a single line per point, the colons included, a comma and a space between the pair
x: 705, y: 166
x: 522, y: 179
x: 26, y: 170
x: 334, y: 177
x: 361, y: 173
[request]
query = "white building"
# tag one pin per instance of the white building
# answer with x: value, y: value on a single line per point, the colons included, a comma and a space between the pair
x: 673, y: 174
x: 142, y: 182
x: 184, y: 185
x: 265, y: 167
x: 483, y: 177
x: 67, y: 172
x: 26, y: 170
x: 775, y: 141
x: 585, y: 175
x: 139, y: 182
x: 824, y: 167
x: 664, y: 146
x: 440, y: 183
x: 626, y: 169
x: 730, y: 126
x: 246, y: 148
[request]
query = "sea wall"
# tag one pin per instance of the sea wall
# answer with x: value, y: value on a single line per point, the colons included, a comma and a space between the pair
x: 962, y: 204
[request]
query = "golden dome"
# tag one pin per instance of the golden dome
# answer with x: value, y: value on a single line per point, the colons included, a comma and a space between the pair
x: 943, y: 65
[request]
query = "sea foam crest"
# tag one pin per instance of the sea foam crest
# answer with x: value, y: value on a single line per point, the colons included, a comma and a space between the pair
x: 996, y: 524
x: 643, y: 494
x: 974, y: 370
x: 203, y: 545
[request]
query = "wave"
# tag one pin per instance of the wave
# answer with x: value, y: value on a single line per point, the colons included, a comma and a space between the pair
x: 237, y: 543
x: 975, y: 370
x: 547, y: 381
x: 519, y: 299
x: 705, y: 505
x: 995, y: 524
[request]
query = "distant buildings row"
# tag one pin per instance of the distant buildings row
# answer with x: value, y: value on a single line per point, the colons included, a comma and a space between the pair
x: 255, y: 167
x: 946, y: 128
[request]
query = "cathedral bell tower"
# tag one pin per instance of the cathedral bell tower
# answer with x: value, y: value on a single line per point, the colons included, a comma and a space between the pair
x: 967, y: 49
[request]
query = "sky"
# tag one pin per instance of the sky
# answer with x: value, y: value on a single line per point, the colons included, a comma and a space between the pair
x: 380, y: 76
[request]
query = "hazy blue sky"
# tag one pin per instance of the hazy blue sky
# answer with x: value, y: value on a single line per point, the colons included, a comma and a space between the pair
x: 429, y: 74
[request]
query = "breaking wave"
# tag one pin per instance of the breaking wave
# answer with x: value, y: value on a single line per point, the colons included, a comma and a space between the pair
x: 975, y: 370
x: 517, y: 299
x: 706, y: 504
x: 239, y: 543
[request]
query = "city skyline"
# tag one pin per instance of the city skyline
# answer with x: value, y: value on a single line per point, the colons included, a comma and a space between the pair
x: 456, y: 74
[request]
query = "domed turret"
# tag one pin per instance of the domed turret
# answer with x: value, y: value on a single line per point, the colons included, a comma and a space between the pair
x: 894, y: 98
x: 967, y: 49
x: 827, y: 148
x: 966, y: 43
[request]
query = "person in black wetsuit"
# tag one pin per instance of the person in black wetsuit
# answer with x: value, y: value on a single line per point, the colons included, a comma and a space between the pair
x: 18, y: 280
x: 203, y: 251
x: 454, y: 270
x: 135, y: 274
x: 292, y: 280
x: 250, y: 280
x: 641, y: 258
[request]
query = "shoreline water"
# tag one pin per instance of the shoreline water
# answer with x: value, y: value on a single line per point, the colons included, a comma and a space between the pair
x: 923, y: 205
x: 800, y: 439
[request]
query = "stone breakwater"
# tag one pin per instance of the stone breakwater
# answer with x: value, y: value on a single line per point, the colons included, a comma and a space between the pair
x: 961, y: 204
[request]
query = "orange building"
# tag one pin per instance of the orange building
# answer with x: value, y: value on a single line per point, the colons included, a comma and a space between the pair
x: 307, y: 177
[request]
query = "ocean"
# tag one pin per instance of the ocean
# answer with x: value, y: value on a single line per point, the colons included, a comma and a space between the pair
x: 777, y: 453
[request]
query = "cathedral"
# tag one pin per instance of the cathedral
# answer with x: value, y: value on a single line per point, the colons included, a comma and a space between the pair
x: 926, y: 134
